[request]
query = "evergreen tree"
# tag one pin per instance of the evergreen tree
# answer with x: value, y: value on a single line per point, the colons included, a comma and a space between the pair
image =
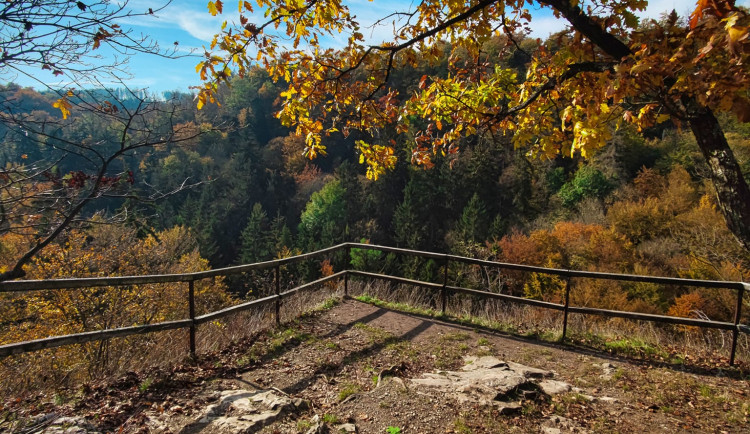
x: 256, y: 242
x: 409, y: 230
x: 281, y: 235
x: 472, y: 225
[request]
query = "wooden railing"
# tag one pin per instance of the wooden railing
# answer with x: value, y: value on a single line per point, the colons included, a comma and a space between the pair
x: 193, y: 321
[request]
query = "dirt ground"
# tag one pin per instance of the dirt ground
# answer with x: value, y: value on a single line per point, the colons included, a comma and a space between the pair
x: 352, y: 364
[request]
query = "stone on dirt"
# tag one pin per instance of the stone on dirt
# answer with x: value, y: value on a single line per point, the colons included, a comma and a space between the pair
x: 490, y: 381
x: 245, y: 411
x: 69, y: 425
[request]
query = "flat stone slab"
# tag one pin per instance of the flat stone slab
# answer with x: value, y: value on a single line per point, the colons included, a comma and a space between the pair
x: 489, y: 380
x: 246, y: 411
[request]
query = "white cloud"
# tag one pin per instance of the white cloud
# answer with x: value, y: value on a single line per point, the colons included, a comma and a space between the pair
x: 542, y: 27
x: 200, y: 25
x: 190, y: 17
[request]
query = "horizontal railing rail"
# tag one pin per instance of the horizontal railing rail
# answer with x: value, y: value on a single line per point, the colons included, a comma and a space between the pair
x: 557, y: 271
x: 90, y: 282
x: 735, y: 327
x: 193, y: 321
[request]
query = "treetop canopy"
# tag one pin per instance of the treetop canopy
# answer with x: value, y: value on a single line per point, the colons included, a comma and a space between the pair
x: 607, y: 66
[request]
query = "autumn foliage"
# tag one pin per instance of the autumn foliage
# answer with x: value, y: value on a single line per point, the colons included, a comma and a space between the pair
x: 105, y: 250
x: 663, y: 226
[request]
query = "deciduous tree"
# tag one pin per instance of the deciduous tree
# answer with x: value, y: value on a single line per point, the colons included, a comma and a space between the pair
x: 87, y: 133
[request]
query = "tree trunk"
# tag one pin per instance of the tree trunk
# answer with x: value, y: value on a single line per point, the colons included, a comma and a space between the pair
x: 731, y: 188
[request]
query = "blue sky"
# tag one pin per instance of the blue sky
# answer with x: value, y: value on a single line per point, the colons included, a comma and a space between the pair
x: 189, y: 23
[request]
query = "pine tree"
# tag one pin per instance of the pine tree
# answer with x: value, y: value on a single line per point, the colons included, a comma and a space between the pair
x: 408, y: 230
x: 472, y: 225
x: 281, y: 235
x: 256, y: 242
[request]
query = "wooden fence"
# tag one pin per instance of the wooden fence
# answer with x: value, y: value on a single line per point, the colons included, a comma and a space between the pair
x: 193, y: 321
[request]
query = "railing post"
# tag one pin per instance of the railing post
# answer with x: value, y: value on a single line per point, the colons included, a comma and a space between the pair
x: 736, y: 330
x: 444, y: 291
x: 565, y: 309
x: 278, y: 295
x: 347, y: 263
x: 191, y: 312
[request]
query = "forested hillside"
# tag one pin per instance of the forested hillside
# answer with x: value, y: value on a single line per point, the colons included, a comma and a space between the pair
x: 178, y: 188
x: 640, y: 205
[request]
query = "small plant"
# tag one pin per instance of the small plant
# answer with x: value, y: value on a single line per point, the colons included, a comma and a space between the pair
x: 575, y: 398
x: 634, y: 347
x: 244, y: 361
x: 331, y: 419
x: 455, y: 336
x: 460, y: 426
x: 393, y: 430
x: 143, y: 387
x: 348, y: 390
x: 619, y: 373
x: 329, y: 303
x: 304, y: 425
x: 483, y: 342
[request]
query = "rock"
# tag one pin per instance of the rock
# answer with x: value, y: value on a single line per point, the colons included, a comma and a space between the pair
x: 554, y: 387
x: 346, y: 427
x: 607, y: 399
x: 529, y: 372
x: 69, y: 425
x: 490, y: 381
x: 317, y: 426
x: 508, y: 408
x: 241, y: 411
x: 486, y: 362
x: 607, y: 370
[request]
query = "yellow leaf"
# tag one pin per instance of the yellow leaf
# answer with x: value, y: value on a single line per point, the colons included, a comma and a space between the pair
x: 662, y: 118
x: 212, y: 9
x: 639, y: 68
x: 736, y: 33
x: 64, y: 105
